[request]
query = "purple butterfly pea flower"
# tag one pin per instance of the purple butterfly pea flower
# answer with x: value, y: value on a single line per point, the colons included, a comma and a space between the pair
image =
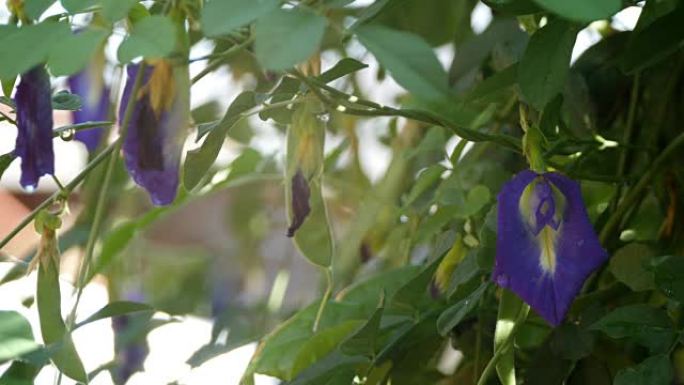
x: 546, y: 246
x: 89, y: 85
x: 154, y: 140
x: 34, y: 124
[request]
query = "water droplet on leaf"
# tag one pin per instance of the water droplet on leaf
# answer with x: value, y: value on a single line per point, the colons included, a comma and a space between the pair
x: 67, y: 135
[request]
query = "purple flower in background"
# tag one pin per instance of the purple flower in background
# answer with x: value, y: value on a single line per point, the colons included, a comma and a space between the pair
x: 156, y: 130
x: 89, y: 85
x: 34, y: 124
x: 546, y: 246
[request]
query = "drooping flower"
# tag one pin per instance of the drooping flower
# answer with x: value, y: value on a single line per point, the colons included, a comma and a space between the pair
x: 157, y: 127
x: 130, y: 344
x: 546, y: 246
x: 34, y: 125
x: 89, y: 85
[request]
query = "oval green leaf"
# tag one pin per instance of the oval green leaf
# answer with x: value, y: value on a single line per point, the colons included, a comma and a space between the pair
x: 287, y: 37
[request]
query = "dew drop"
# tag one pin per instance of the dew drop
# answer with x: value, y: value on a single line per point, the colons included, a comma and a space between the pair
x: 67, y: 135
x: 324, y: 117
x: 30, y: 189
x: 341, y: 108
x: 353, y: 99
x: 502, y: 280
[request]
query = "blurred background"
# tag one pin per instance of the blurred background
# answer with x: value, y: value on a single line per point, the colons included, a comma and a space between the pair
x: 218, y: 267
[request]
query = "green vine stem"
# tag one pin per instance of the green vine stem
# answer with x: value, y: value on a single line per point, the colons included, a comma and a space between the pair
x: 629, y: 129
x: 324, y: 300
x: 68, y: 188
x: 633, y: 195
x: 222, y: 58
x: 491, y: 365
x: 104, y: 190
x: 349, y: 104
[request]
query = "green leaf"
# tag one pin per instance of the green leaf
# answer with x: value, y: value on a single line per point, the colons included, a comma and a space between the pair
x: 320, y: 344
x: 279, y: 351
x: 115, y: 309
x: 513, y: 7
x: 367, y: 291
x: 7, y: 87
x: 369, y: 13
x: 499, y: 81
x: 414, y: 290
x: 151, y: 37
x: 16, y: 337
x: 116, y: 240
x: 364, y: 340
x: 656, y: 370
x: 646, y: 325
x: 425, y: 180
x: 220, y: 17
x: 669, y: 276
x: 65, y: 100
x: 334, y: 369
x: 571, y: 342
x: 28, y: 46
x: 478, y: 197
x: 287, y: 37
x: 78, y: 6
x: 512, y: 312
x: 409, y: 59
x: 5, y: 161
x: 457, y: 312
x: 199, y: 161
x: 543, y: 69
x: 35, y: 8
x: 658, y: 40
x: 629, y: 265
x: 582, y: 10
x: 115, y: 10
x: 342, y: 68
x: 76, y: 51
x: 20, y: 373
x: 54, y: 331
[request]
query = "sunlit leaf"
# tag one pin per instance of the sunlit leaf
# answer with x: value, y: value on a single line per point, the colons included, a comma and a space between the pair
x: 198, y: 161
x: 221, y: 17
x: 287, y: 37
x: 408, y: 58
x: 152, y: 37
x: 16, y: 336
x: 28, y: 46
x: 75, y: 51
x: 115, y: 309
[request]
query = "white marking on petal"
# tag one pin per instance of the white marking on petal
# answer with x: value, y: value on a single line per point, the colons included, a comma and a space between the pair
x: 546, y: 240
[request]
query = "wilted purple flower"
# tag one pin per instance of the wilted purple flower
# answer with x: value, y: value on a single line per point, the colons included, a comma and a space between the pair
x: 300, y: 202
x: 89, y: 85
x: 546, y: 246
x: 154, y: 139
x: 130, y: 343
x: 34, y: 124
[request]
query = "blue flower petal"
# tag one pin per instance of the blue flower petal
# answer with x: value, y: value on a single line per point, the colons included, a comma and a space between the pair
x: 545, y: 258
x: 153, y: 144
x: 89, y: 85
x: 34, y: 127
